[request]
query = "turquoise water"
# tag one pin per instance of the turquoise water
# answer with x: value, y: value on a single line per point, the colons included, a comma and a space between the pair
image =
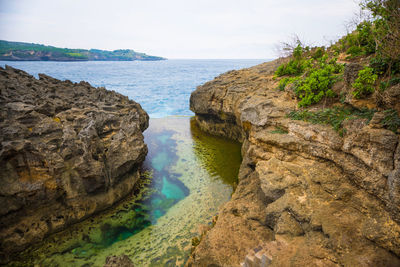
x: 190, y: 180
x: 162, y: 87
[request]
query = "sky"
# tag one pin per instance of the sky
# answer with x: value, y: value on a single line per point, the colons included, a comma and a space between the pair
x: 207, y: 29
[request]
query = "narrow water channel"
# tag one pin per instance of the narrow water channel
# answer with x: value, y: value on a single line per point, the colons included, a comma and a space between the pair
x: 190, y: 175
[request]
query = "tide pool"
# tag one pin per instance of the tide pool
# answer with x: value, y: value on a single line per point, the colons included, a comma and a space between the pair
x: 189, y: 175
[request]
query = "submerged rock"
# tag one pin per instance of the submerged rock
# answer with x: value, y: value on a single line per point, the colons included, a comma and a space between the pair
x: 68, y: 150
x: 118, y: 261
x: 306, y: 195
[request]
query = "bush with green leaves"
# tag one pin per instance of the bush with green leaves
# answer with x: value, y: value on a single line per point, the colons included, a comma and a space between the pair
x: 365, y: 83
x: 386, y: 21
x: 286, y: 81
x: 361, y: 42
x: 379, y: 34
x: 379, y: 64
x: 293, y: 67
x: 354, y: 51
x: 318, y: 53
x: 384, y: 66
x: 318, y: 82
x: 314, y: 87
x: 296, y: 66
x: 366, y: 37
x: 282, y: 83
x: 318, y: 71
x: 298, y: 52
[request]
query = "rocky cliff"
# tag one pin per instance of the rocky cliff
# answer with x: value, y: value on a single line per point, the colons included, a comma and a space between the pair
x: 307, y: 196
x: 67, y: 151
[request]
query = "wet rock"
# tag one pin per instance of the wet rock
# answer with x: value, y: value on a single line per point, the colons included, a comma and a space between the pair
x: 67, y: 151
x: 306, y: 195
x: 118, y: 261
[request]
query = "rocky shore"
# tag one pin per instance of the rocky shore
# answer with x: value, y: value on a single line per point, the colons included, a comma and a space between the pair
x: 68, y: 150
x: 307, y: 196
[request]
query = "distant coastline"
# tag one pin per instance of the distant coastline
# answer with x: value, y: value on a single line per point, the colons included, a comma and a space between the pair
x: 20, y: 51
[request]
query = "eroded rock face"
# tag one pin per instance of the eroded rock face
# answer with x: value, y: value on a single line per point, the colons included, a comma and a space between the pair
x: 306, y: 196
x: 68, y: 150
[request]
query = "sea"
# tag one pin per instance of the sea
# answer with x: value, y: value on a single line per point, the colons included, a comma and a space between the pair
x: 187, y: 175
x: 161, y: 87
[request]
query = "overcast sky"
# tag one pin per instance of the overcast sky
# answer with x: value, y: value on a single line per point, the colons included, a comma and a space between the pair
x: 175, y: 28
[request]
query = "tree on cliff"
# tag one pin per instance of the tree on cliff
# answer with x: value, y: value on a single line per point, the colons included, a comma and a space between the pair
x: 386, y: 32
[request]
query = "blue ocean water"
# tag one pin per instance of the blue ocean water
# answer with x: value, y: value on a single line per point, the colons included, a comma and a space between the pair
x: 162, y: 87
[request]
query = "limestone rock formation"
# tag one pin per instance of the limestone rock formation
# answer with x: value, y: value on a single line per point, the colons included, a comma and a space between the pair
x: 67, y: 151
x: 306, y: 195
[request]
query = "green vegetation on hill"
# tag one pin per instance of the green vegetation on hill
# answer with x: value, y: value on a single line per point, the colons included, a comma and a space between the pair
x: 373, y: 48
x: 19, y: 51
x: 312, y: 73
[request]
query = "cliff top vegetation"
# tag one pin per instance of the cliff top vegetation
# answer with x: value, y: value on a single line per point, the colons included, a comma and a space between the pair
x: 30, y: 51
x: 360, y: 70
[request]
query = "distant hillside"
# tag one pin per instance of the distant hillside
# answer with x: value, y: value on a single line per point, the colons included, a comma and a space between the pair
x: 18, y: 51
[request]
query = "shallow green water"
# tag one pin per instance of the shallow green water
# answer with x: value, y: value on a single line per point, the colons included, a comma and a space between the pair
x: 193, y: 175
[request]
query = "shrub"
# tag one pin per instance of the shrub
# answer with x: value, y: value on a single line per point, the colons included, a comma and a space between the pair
x: 379, y: 64
x: 361, y: 42
x: 318, y: 82
x: 365, y: 37
x: 384, y: 66
x: 386, y: 22
x: 320, y: 73
x: 298, y: 52
x: 335, y: 49
x: 282, y: 83
x: 295, y: 66
x: 354, y: 51
x: 318, y: 53
x: 314, y: 87
x: 364, y: 84
x: 285, y: 81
